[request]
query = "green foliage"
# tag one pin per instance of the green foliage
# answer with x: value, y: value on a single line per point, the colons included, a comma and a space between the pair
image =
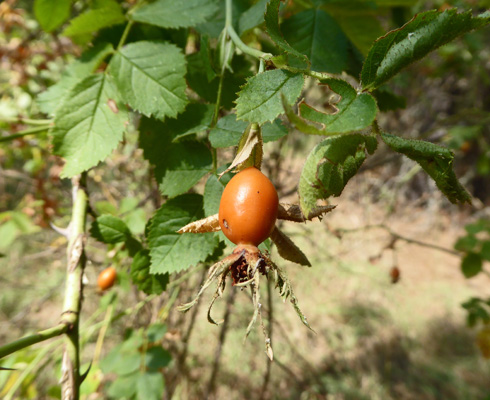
x: 150, y: 83
x: 353, y: 112
x: 141, y: 277
x: 89, y: 125
x: 330, y: 165
x: 51, y: 13
x: 104, y: 13
x: 110, y: 229
x: 425, y: 32
x: 306, y: 32
x: 175, y: 14
x: 435, y: 160
x: 171, y: 252
x: 260, y: 99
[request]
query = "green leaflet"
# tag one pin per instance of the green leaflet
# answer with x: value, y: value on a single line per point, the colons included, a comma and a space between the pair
x: 171, y: 252
x: 176, y: 14
x: 330, y: 165
x: 89, y: 125
x: 150, y: 77
x: 141, y: 277
x: 437, y: 161
x: 425, y: 32
x: 353, y: 112
x: 51, y: 13
x: 109, y: 229
x: 260, y: 98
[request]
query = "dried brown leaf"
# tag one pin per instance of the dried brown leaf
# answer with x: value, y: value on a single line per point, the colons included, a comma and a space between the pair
x: 250, y: 151
x: 292, y: 212
x: 287, y: 249
x: 209, y: 224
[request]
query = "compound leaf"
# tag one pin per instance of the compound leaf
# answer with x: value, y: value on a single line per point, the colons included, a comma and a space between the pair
x: 260, y: 98
x: 110, y: 229
x: 173, y: 252
x: 437, y: 161
x: 141, y: 277
x: 150, y: 76
x: 89, y: 125
x: 424, y: 33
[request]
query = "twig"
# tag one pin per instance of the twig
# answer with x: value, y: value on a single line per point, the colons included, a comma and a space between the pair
x: 222, y: 337
x: 271, y: 322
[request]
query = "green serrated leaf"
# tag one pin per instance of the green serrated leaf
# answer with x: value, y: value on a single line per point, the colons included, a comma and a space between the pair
x: 424, y: 33
x: 330, y: 165
x: 466, y: 243
x: 308, y: 31
x: 354, y: 111
x: 176, y: 14
x: 229, y: 130
x: 171, y: 252
x: 51, y: 13
x: 57, y: 94
x: 471, y: 265
x: 253, y: 17
x: 89, y: 125
x: 362, y: 30
x: 178, y: 165
x: 260, y: 98
x: 123, y: 387
x: 141, y: 277
x: 272, y: 26
x: 110, y: 229
x: 104, y: 13
x: 437, y: 161
x: 157, y: 357
x: 150, y: 77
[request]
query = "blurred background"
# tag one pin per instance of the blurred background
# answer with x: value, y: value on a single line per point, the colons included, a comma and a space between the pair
x: 395, y: 313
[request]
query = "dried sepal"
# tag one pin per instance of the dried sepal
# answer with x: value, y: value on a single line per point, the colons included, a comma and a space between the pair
x: 286, y: 290
x: 216, y: 270
x: 209, y: 224
x: 292, y: 212
x: 287, y: 249
x: 250, y: 150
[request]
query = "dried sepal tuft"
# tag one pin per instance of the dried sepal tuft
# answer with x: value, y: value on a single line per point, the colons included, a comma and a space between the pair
x: 287, y: 249
x: 209, y: 224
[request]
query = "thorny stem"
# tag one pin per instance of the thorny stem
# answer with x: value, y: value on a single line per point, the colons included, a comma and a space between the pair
x: 71, y: 380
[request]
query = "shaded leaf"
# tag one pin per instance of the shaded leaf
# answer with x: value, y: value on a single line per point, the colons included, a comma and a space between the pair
x: 103, y: 13
x: 157, y: 357
x: 252, y: 17
x: 109, y: 229
x: 178, y: 166
x: 437, y: 161
x: 424, y: 33
x: 176, y: 14
x: 272, y: 26
x: 171, y: 252
x: 149, y: 386
x: 143, y: 279
x: 51, y: 13
x: 260, y: 98
x: 315, y: 34
x: 150, y: 77
x: 471, y: 265
x: 329, y: 167
x: 89, y: 125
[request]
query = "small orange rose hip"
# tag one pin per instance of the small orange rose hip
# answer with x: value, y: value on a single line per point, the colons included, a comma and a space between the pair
x: 106, y: 278
x: 248, y: 207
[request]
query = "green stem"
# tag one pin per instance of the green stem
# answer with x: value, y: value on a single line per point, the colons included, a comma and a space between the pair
x: 32, y: 131
x: 125, y: 35
x: 236, y: 39
x: 70, y: 379
x: 26, y: 121
x: 32, y: 339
